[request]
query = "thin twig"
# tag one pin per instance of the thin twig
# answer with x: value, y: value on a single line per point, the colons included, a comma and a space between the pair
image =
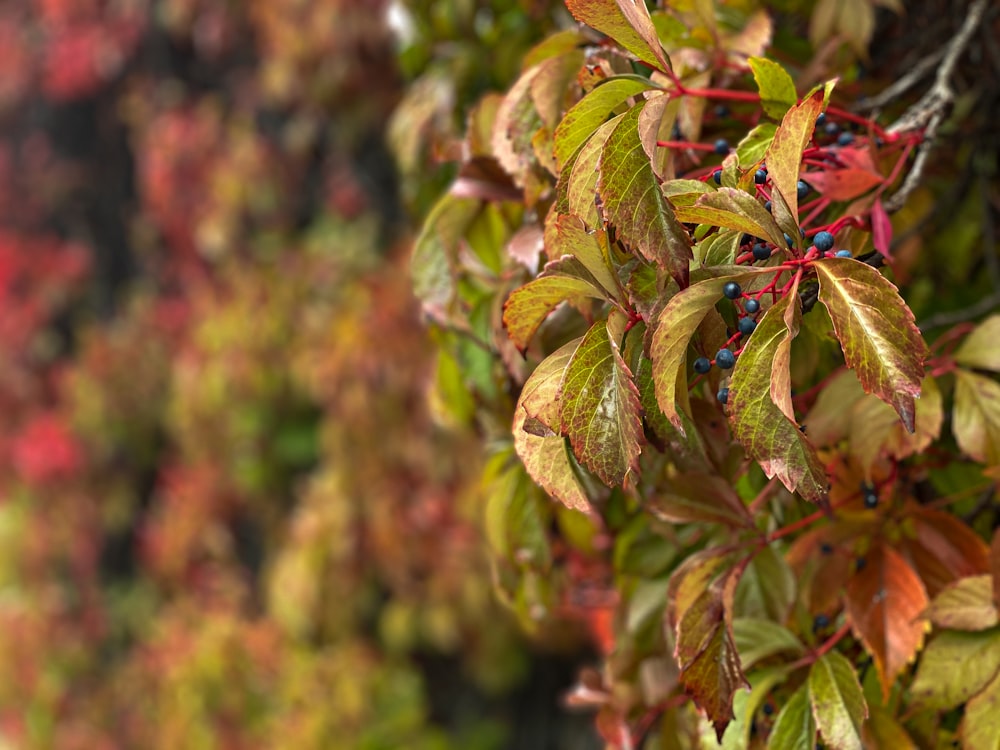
x: 904, y: 84
x: 928, y: 113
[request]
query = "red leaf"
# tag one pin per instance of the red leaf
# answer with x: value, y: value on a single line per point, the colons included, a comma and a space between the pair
x: 842, y: 184
x: 881, y: 228
x: 944, y: 549
x: 884, y: 602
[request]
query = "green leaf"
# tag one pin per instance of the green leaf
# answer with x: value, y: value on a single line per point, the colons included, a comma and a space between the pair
x: 755, y: 144
x: 517, y: 518
x: 875, y: 328
x: 528, y: 306
x: 777, y: 90
x: 581, y: 183
x: 767, y: 587
x: 770, y: 437
x: 686, y: 449
x: 601, y: 414
x: 733, y: 209
x: 589, y: 113
x: 436, y: 249
x: 758, y: 639
x: 746, y: 705
x: 546, y: 456
x: 955, y: 666
x: 676, y: 324
x: 784, y: 155
x: 883, y: 732
x: 979, y: 351
x: 625, y: 21
x: 980, y: 727
x: 966, y: 604
x: 795, y: 728
x: 837, y: 702
x: 696, y: 497
x: 719, y: 248
x: 569, y: 237
x: 634, y: 204
x: 976, y: 419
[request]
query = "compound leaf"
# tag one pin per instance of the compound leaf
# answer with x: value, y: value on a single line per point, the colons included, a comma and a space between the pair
x: 733, y: 209
x: 627, y: 22
x: 529, y: 305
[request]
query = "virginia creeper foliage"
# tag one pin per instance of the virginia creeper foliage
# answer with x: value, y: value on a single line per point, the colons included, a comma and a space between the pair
x: 745, y: 433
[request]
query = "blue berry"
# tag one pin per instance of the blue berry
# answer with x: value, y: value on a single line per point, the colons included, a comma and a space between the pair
x: 825, y: 549
x: 802, y: 189
x: 844, y: 254
x: 860, y: 563
x: 760, y: 176
x: 831, y: 128
x: 823, y: 241
x: 751, y: 306
x: 767, y: 206
x: 717, y: 176
x: 722, y: 147
x: 732, y: 290
x: 702, y: 365
x: 746, y: 326
x: 768, y: 709
x: 820, y: 621
x: 721, y: 110
x: 845, y: 139
x: 761, y: 252
x: 723, y: 396
x: 788, y: 239
x: 725, y: 359
x: 821, y: 119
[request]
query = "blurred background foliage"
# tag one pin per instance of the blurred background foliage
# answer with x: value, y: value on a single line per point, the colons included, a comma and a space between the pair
x: 229, y: 518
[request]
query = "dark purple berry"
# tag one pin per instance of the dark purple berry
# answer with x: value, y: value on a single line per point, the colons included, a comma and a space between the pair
x: 722, y: 147
x: 823, y: 241
x: 717, y: 176
x: 768, y: 709
x: 751, y: 306
x: 761, y: 251
x: 732, y: 290
x: 702, y: 365
x: 802, y: 189
x: 760, y: 176
x: 725, y: 359
x: 767, y: 205
x: 723, y: 396
x: 721, y: 110
x: 825, y: 549
x: 747, y: 326
x: 821, y: 119
x: 820, y: 622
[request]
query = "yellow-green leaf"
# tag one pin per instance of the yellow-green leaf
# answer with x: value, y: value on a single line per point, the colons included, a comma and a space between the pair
x: 773, y: 440
x: 980, y: 729
x: 569, y: 237
x: 979, y: 350
x: 954, y: 666
x: 529, y: 305
x: 777, y: 90
x: 837, y: 702
x: 601, y: 414
x: 581, y: 182
x: 546, y: 456
x: 784, y: 155
x: 965, y: 604
x: 875, y: 328
x: 976, y: 418
x: 795, y: 728
x: 625, y: 21
x: 634, y: 204
x: 733, y: 209
x: 589, y: 113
